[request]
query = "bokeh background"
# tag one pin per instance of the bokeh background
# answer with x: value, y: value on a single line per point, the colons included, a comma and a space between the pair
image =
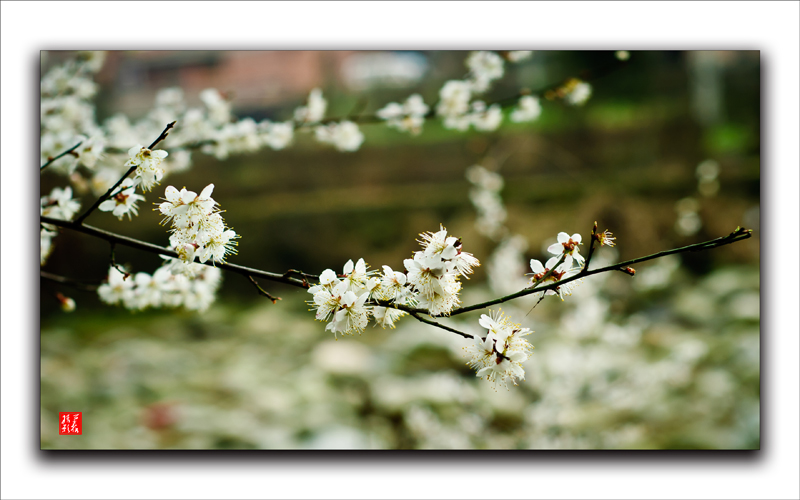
x: 665, y: 153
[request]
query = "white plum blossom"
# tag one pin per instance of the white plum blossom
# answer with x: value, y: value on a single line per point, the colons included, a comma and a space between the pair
x: 46, y: 236
x: 327, y: 299
x: 345, y: 311
x: 385, y: 317
x: 352, y: 316
x: 528, y: 109
x: 485, y: 67
x: 198, y: 229
x: 540, y: 276
x: 59, y: 204
x: 485, y: 196
x: 276, y: 135
x: 149, y: 171
x: 392, y: 284
x: 480, y: 116
x: 579, y: 93
x: 454, y: 99
x: 219, y: 109
x: 124, y: 202
x: 568, y: 246
x: 518, y: 55
x: 344, y: 136
x: 409, y: 116
x: 342, y: 302
x: 497, y: 357
x: 356, y: 275
x: 235, y: 138
x: 118, y: 288
x: 195, y: 290
x: 484, y: 118
x: 91, y: 150
x: 314, y: 110
x: 448, y: 248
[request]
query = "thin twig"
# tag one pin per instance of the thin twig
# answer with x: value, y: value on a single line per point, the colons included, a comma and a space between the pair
x: 591, y: 249
x: 439, y: 325
x: 50, y: 161
x: 738, y: 235
x: 263, y: 292
x: 125, y: 274
x: 110, y: 192
x: 80, y: 285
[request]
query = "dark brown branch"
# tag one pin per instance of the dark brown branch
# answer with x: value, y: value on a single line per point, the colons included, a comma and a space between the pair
x: 738, y: 234
x: 71, y: 150
x: 263, y: 292
x: 589, y: 254
x: 110, y: 192
x: 80, y: 285
x: 149, y: 247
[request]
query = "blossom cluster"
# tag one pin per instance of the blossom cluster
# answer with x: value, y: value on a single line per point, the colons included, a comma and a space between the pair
x: 194, y: 291
x: 68, y: 118
x: 460, y: 113
x: 485, y: 196
x: 59, y: 204
x: 198, y: 229
x: 498, y: 356
x: 407, y: 117
x: 431, y: 281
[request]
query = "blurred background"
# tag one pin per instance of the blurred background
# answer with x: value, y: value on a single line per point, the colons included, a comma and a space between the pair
x: 665, y: 153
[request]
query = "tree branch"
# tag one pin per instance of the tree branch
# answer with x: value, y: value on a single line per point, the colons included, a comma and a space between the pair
x: 149, y: 247
x: 263, y: 292
x: 50, y: 161
x: 108, y: 193
x: 738, y: 234
x: 439, y: 325
x: 80, y: 285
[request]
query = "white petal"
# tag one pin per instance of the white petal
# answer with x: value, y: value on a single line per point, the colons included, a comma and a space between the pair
x: 108, y: 205
x: 327, y: 276
x: 556, y: 248
x: 536, y: 266
x: 449, y: 252
x: 339, y: 289
x: 576, y: 238
x: 563, y: 237
x: 348, y: 268
x: 172, y: 194
x: 349, y: 298
x: 206, y: 193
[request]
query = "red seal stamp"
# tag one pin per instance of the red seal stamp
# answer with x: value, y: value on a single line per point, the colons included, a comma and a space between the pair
x: 70, y: 423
